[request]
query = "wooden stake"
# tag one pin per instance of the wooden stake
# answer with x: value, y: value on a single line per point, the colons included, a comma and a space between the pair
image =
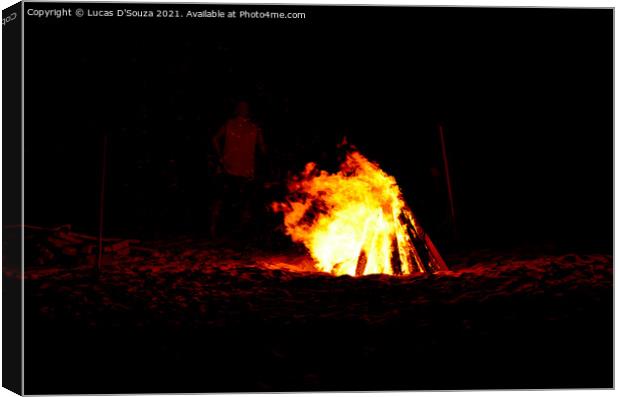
x: 448, y: 179
x: 104, y: 149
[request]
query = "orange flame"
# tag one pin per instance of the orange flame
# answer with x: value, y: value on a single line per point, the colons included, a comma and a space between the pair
x: 356, y: 222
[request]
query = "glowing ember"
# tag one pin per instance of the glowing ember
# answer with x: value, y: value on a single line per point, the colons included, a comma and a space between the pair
x: 356, y: 222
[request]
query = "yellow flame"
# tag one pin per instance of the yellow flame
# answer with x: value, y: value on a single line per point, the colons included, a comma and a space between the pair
x: 355, y: 221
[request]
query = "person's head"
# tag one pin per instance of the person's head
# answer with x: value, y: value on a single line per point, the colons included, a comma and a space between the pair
x: 242, y: 109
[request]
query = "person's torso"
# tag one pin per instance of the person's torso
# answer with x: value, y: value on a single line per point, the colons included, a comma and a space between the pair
x: 240, y: 147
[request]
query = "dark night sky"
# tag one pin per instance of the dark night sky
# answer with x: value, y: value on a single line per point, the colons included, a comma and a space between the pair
x: 525, y: 96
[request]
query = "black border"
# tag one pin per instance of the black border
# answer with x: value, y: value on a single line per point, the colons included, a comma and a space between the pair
x: 12, y: 206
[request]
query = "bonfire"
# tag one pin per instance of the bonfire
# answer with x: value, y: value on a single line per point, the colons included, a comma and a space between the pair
x: 355, y: 221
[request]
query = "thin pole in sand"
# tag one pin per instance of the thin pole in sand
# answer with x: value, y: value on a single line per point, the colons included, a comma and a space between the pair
x: 448, y: 179
x: 104, y: 149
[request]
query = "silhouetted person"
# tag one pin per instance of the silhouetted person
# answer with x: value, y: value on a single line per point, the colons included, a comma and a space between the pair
x: 235, y: 146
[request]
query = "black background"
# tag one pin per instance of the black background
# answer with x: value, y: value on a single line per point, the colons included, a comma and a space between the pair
x: 525, y: 96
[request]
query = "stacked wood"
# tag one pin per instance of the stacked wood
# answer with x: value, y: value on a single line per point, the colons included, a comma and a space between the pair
x: 62, y: 246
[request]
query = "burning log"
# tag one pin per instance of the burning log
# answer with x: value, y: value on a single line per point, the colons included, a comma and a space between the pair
x: 356, y: 222
x: 395, y: 257
x: 427, y: 256
x: 361, y: 264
